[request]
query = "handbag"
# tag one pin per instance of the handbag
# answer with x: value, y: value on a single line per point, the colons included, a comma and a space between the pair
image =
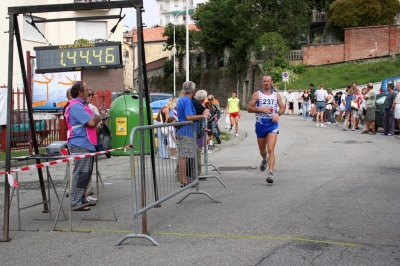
x: 354, y: 105
x: 164, y: 130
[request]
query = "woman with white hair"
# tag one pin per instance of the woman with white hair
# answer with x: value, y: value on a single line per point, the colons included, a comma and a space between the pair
x: 161, y: 118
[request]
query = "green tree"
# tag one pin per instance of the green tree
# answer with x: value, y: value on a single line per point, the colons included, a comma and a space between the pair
x: 238, y: 24
x: 361, y: 13
x: 169, y: 67
x: 180, y: 41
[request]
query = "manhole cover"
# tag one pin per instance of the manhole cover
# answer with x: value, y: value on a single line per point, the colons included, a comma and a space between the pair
x: 236, y: 168
x: 352, y: 142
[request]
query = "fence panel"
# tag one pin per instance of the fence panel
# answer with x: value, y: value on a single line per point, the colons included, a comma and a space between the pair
x: 47, y: 126
x: 156, y: 179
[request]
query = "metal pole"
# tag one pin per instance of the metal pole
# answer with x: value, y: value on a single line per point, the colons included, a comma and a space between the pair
x: 6, y: 223
x: 175, y: 53
x: 187, y: 40
x: 174, y: 62
x: 28, y: 99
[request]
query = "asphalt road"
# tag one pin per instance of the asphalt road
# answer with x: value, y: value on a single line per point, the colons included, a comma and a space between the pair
x: 334, y: 201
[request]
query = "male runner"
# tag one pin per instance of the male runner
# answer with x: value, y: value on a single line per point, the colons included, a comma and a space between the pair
x: 233, y: 108
x: 264, y: 103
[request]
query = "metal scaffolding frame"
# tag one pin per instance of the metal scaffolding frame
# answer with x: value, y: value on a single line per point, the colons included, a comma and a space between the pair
x: 14, y: 31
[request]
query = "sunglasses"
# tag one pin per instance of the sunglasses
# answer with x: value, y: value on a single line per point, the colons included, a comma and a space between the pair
x: 90, y: 94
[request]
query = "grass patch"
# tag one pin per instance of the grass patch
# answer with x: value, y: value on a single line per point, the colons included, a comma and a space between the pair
x: 224, y: 136
x: 338, y: 76
x: 18, y: 153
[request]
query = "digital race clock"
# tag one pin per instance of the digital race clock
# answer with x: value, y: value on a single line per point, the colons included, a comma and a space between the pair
x: 75, y: 57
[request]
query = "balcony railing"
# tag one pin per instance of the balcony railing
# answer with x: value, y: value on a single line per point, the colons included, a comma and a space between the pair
x: 317, y: 16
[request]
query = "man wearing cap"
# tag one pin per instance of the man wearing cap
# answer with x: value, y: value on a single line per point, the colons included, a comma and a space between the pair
x: 370, y: 105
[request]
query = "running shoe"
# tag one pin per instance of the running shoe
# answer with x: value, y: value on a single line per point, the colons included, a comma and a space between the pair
x: 336, y: 124
x: 263, y: 165
x: 317, y: 125
x: 322, y: 125
x: 236, y: 134
x: 230, y: 131
x: 270, y: 177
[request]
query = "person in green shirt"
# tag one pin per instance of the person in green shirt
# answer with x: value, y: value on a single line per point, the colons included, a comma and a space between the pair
x: 233, y: 109
x: 312, y: 91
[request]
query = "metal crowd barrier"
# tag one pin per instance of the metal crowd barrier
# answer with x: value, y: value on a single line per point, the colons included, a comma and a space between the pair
x: 156, y: 179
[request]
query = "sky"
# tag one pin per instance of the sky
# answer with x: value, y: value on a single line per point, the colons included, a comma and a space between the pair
x: 149, y: 17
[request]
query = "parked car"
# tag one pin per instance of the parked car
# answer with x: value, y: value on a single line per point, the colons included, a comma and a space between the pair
x: 159, y: 96
x: 386, y: 81
x: 380, y: 109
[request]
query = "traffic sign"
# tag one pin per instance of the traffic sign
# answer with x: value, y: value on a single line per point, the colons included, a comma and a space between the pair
x: 285, y: 76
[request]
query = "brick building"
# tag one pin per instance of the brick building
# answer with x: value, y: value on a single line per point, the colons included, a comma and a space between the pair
x: 359, y: 43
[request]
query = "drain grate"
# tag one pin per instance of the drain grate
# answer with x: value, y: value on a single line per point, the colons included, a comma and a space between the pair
x: 236, y: 168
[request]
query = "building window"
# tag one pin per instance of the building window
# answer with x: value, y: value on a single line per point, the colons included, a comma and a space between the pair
x: 166, y: 19
x: 91, y: 30
x: 30, y: 33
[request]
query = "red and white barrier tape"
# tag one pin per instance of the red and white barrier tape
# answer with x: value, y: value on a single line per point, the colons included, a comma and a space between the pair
x: 64, y: 160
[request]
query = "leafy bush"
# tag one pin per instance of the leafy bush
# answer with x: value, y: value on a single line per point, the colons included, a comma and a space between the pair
x: 169, y: 67
x: 300, y: 68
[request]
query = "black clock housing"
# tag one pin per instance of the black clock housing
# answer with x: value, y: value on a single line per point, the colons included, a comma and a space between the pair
x: 76, y: 57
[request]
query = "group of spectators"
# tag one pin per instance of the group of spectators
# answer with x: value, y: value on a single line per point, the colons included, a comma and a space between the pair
x: 354, y: 106
x: 195, y: 106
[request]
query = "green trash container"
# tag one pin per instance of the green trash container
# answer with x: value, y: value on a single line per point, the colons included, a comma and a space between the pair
x: 124, y: 116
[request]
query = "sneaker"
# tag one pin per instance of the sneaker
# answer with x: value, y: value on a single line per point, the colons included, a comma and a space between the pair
x: 263, y: 165
x: 90, y: 198
x: 336, y: 124
x: 236, y: 134
x: 230, y: 131
x: 322, y: 125
x: 317, y: 125
x: 389, y: 134
x: 173, y: 158
x: 209, y: 152
x: 269, y: 178
x: 328, y: 123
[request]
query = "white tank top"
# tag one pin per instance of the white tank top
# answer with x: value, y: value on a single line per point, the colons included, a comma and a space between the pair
x: 270, y: 101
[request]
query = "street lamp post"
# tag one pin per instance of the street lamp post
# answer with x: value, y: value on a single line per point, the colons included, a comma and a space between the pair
x: 175, y: 53
x: 187, y: 40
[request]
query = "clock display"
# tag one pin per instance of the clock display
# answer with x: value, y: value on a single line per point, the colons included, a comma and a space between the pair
x: 75, y: 57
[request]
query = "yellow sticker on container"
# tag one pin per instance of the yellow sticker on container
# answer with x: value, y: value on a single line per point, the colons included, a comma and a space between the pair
x: 122, y: 128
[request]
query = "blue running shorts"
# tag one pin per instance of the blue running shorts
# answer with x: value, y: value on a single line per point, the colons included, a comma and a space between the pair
x: 262, y: 130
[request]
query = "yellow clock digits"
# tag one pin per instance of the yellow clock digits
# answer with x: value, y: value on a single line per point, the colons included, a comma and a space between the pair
x: 109, y: 57
x: 62, y: 59
x: 85, y: 56
x: 98, y: 56
x: 72, y: 57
